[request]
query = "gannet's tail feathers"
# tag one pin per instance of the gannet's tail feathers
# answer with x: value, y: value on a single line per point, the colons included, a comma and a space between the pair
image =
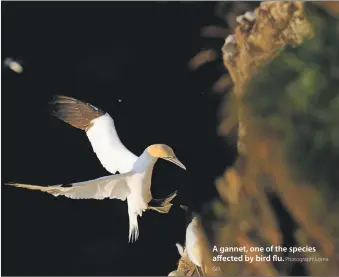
x: 180, y: 249
x: 112, y: 186
x: 162, y: 205
x: 133, y: 226
x: 75, y: 112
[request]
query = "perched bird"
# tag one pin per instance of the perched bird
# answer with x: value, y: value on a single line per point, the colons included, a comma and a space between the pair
x: 13, y: 65
x: 134, y: 181
x: 193, y: 244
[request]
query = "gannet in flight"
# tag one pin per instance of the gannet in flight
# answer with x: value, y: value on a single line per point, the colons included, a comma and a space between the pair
x: 134, y: 181
x: 13, y: 65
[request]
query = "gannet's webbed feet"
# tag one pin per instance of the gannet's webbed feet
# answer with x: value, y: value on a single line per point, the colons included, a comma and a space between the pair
x: 162, y: 205
x: 163, y: 210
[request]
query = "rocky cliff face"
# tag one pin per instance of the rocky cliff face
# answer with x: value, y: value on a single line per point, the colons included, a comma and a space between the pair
x: 283, y: 60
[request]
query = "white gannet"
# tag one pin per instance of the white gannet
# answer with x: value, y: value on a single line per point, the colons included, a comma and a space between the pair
x: 134, y: 181
x: 193, y: 243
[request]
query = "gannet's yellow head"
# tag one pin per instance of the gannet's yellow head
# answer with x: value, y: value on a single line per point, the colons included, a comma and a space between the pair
x: 165, y: 152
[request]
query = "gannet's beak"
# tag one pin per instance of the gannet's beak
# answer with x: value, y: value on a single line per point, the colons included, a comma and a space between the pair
x: 175, y: 161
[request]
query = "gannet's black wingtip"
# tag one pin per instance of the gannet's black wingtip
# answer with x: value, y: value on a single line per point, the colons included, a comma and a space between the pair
x: 75, y: 112
x: 56, y: 98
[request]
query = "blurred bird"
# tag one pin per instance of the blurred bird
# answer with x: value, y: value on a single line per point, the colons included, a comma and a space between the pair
x: 193, y: 245
x: 13, y: 65
x: 134, y: 181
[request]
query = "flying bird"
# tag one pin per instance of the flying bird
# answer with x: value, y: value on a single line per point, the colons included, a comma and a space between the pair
x: 134, y: 181
x: 13, y: 65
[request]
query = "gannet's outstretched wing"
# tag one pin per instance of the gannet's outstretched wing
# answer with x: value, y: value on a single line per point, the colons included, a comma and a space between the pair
x: 100, y: 130
x: 113, y: 187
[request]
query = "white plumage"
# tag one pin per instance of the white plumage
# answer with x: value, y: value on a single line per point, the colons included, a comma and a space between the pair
x: 113, y: 155
x: 193, y: 243
x: 134, y: 182
x: 192, y: 240
x: 180, y: 249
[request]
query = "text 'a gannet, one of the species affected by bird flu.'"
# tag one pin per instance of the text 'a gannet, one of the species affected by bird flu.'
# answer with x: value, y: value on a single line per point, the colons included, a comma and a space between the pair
x: 134, y: 181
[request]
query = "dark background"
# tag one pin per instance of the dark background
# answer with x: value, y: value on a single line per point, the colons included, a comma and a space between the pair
x: 102, y: 52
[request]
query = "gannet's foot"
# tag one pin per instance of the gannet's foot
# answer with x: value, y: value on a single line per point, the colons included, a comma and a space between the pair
x: 162, y: 205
